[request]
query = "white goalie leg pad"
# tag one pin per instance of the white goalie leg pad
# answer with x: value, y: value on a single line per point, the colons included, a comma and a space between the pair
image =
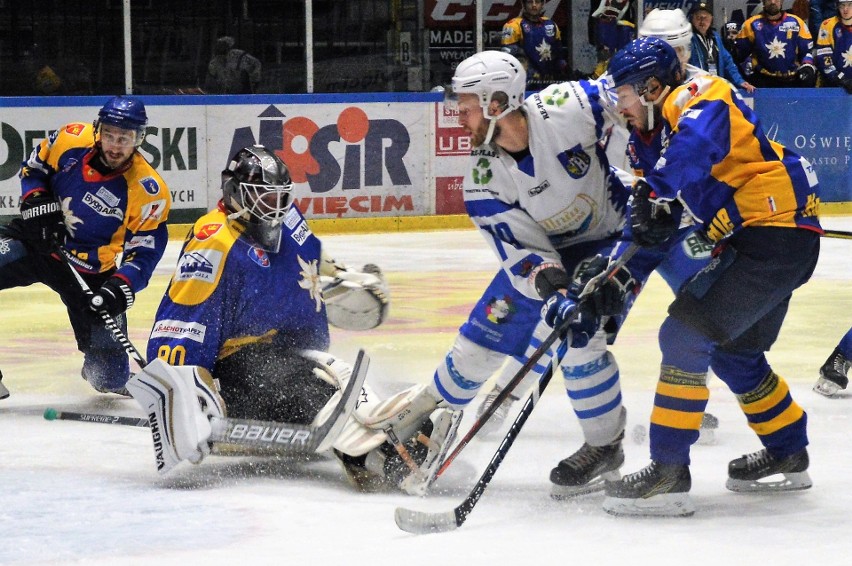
x: 357, y: 300
x: 357, y: 439
x: 405, y: 411
x: 179, y: 402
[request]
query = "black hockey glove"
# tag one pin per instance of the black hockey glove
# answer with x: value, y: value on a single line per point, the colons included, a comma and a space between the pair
x: 611, y: 294
x: 806, y: 75
x: 43, y: 222
x: 652, y: 223
x: 115, y: 296
x: 845, y: 81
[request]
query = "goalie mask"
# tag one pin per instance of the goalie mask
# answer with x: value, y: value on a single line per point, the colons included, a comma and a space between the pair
x: 257, y: 191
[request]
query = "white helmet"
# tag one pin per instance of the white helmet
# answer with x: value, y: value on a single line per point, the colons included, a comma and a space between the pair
x: 669, y: 25
x: 488, y: 72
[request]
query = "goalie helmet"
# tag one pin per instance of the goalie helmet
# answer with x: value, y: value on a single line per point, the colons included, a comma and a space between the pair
x: 125, y: 112
x: 257, y: 191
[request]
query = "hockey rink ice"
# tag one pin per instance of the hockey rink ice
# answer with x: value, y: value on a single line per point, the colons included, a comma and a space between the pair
x: 83, y: 493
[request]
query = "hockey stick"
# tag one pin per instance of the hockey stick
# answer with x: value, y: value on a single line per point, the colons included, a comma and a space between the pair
x: 420, y: 522
x: 837, y: 234
x: 532, y: 361
x: 271, y: 436
x: 109, y: 321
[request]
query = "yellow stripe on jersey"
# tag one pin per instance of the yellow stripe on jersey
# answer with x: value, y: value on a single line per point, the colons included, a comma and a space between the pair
x: 202, y: 262
x: 234, y: 345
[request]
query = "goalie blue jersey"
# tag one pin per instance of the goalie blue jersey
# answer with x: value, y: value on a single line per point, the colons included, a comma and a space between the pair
x: 226, y: 293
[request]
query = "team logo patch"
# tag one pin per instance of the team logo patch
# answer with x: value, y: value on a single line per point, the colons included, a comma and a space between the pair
x: 695, y: 247
x: 107, y: 197
x: 575, y: 162
x: 259, y: 256
x: 153, y: 210
x: 482, y: 172
x: 200, y: 265
x: 151, y: 186
x: 499, y: 310
x: 179, y: 329
x: 207, y: 231
x: 74, y: 129
x: 309, y: 273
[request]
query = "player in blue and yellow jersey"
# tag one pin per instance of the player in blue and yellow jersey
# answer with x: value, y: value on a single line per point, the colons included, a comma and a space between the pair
x: 777, y: 46
x: 758, y: 204
x: 248, y: 305
x: 834, y: 48
x: 536, y: 39
x: 87, y: 189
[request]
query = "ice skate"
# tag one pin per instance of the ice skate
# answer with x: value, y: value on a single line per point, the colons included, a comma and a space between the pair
x: 492, y: 426
x: 586, y: 470
x: 101, y: 389
x: 833, y: 374
x: 745, y: 473
x: 657, y: 490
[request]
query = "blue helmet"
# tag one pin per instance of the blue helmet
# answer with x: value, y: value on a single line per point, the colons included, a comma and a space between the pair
x: 642, y: 59
x: 124, y: 112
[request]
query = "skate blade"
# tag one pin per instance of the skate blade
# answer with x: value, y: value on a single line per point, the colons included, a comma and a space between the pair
x: 4, y: 393
x: 791, y: 482
x: 563, y: 492
x: 663, y: 505
x: 826, y: 388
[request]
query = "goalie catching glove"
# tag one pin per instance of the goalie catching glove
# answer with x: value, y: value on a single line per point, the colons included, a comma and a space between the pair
x: 357, y: 300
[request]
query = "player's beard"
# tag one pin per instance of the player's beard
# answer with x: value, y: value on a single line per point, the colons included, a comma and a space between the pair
x: 477, y: 138
x: 772, y: 10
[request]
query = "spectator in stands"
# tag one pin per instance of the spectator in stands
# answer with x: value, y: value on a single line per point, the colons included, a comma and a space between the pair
x: 231, y: 70
x: 777, y: 48
x: 611, y: 27
x: 536, y: 41
x: 820, y: 10
x: 708, y: 50
x: 834, y: 46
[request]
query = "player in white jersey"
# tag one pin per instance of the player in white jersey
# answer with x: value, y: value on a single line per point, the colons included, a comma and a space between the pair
x: 541, y: 191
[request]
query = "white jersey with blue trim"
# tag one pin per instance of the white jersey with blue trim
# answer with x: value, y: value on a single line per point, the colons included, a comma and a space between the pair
x: 554, y: 195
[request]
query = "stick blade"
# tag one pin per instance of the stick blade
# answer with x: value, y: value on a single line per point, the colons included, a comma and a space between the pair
x: 421, y: 523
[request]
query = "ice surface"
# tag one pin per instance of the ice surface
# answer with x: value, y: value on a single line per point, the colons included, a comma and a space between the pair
x: 89, y: 493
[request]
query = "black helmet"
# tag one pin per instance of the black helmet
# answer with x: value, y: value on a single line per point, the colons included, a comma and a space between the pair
x: 257, y: 190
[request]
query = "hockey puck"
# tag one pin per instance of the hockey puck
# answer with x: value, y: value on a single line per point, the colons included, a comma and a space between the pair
x: 639, y: 434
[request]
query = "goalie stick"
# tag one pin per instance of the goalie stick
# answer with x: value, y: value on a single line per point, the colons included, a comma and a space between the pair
x: 269, y: 436
x: 422, y: 522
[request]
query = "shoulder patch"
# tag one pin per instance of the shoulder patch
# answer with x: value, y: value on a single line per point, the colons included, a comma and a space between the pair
x: 75, y: 129
x: 150, y: 184
x: 207, y: 231
x: 201, y: 265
